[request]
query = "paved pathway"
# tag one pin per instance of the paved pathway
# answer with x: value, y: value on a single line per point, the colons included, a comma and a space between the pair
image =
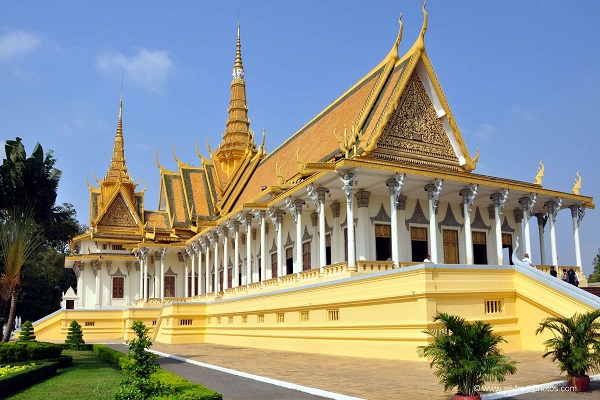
x: 364, y: 378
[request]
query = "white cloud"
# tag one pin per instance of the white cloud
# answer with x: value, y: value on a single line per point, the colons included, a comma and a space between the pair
x: 17, y: 44
x: 147, y: 68
x: 485, y: 132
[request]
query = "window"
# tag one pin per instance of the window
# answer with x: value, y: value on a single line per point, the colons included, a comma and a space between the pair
x: 328, y: 249
x: 118, y: 247
x: 169, y: 290
x: 259, y: 265
x: 230, y: 319
x: 280, y: 318
x: 507, y: 244
x: 383, y: 242
x: 90, y: 323
x: 333, y: 315
x: 289, y: 260
x: 418, y: 243
x: 185, y: 322
x: 274, y: 265
x: 118, y: 283
x: 345, y: 244
x: 493, y: 307
x: 260, y: 318
x: 479, y: 248
x: 305, y: 256
x: 104, y: 246
x: 229, y: 277
x: 303, y: 316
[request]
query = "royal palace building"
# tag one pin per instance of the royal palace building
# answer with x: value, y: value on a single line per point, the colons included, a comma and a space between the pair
x: 346, y: 239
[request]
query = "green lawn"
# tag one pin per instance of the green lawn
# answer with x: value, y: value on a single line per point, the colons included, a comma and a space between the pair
x: 89, y: 378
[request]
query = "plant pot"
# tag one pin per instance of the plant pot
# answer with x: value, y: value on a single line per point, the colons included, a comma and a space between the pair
x: 580, y: 383
x: 463, y: 397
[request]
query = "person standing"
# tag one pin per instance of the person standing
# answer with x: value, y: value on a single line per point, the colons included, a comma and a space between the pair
x: 553, y: 271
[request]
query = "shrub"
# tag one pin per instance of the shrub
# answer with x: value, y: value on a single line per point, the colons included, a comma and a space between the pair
x: 114, y: 357
x: 26, y: 332
x: 138, y: 367
x: 12, y: 352
x: 22, y: 379
x: 75, y: 337
x: 178, y: 388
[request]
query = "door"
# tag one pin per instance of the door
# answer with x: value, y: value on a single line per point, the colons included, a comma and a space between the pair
x: 479, y: 248
x: 418, y: 243
x: 169, y: 286
x: 450, y: 246
x: 383, y: 242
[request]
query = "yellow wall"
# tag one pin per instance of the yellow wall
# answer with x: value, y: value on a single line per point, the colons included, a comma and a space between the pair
x: 380, y: 315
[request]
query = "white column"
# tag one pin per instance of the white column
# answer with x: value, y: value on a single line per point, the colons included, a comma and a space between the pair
x: 518, y: 213
x: 298, y: 262
x: 248, y: 249
x: 263, y: 246
x: 128, y: 280
x: 321, y: 192
x: 433, y: 193
x: 363, y: 238
x: 138, y: 255
x: 577, y: 214
x: 541, y: 220
x: 236, y: 255
x: 185, y: 254
x: 280, y: 249
x: 144, y: 252
x: 107, y: 286
x: 207, y: 265
x: 527, y: 204
x: 553, y: 207
x: 402, y: 232
x: 335, y: 233
x: 225, y: 260
x: 348, y: 187
x: 79, y: 268
x: 216, y: 265
x: 163, y: 252
x: 498, y: 200
x: 393, y: 187
x: 96, y: 268
x: 193, y: 254
x: 468, y: 196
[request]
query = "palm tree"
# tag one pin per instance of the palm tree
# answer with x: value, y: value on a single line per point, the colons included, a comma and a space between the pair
x: 466, y: 354
x: 19, y: 238
x: 576, y: 342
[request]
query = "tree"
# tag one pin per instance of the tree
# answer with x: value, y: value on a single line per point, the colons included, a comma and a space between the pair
x: 466, y: 354
x: 139, y: 367
x: 27, y: 333
x: 19, y: 238
x: 595, y: 276
x: 75, y: 336
x: 33, y: 180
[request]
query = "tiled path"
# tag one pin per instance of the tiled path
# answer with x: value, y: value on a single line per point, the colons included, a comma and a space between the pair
x: 363, y: 377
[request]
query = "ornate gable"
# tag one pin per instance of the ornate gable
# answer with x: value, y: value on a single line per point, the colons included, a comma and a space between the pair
x: 414, y: 134
x: 118, y: 215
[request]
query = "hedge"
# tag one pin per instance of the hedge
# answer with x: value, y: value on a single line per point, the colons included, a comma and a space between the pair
x: 180, y: 388
x: 23, y: 379
x: 11, y: 352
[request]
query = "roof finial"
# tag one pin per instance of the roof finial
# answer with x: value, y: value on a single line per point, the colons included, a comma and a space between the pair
x: 238, y: 69
x: 399, y: 38
x: 421, y: 40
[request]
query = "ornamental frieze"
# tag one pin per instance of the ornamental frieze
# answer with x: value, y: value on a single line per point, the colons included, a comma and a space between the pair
x: 118, y: 214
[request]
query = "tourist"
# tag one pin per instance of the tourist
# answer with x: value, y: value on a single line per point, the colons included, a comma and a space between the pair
x: 427, y: 259
x: 527, y: 260
x: 565, y: 276
x: 572, y: 277
x: 553, y: 271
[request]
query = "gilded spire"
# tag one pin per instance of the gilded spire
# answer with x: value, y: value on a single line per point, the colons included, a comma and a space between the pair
x: 238, y: 139
x: 117, y: 171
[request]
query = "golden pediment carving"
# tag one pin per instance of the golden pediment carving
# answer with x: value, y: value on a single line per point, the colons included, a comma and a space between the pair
x: 118, y: 215
x: 415, y: 131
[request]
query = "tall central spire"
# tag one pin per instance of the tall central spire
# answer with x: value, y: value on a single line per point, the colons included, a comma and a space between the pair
x: 238, y: 139
x: 117, y: 171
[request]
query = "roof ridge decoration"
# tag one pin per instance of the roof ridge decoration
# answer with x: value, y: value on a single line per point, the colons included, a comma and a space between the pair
x: 117, y: 170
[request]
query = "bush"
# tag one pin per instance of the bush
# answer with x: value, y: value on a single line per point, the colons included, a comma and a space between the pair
x: 113, y: 357
x: 138, y: 367
x: 22, y: 379
x: 75, y: 337
x: 179, y: 388
x: 26, y: 332
x: 11, y: 352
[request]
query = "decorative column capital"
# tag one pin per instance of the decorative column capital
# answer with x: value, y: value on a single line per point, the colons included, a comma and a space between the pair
x: 395, y: 186
x: 348, y: 185
x: 469, y: 195
x: 321, y: 192
x: 499, y: 199
x: 362, y: 198
x: 163, y: 253
x: 143, y: 253
x: 433, y: 192
x: 335, y: 209
x: 527, y: 204
x: 553, y: 206
x: 231, y: 226
x: 108, y: 265
x: 248, y: 220
x: 578, y: 212
x: 298, y: 203
x: 541, y: 219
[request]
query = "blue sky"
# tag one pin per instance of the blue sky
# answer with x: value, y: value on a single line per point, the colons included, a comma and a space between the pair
x: 521, y: 78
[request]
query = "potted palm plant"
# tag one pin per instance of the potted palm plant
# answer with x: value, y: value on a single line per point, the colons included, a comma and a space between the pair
x: 466, y: 355
x: 575, y: 345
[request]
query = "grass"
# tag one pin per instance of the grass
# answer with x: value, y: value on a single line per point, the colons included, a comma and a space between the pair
x: 89, y: 378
